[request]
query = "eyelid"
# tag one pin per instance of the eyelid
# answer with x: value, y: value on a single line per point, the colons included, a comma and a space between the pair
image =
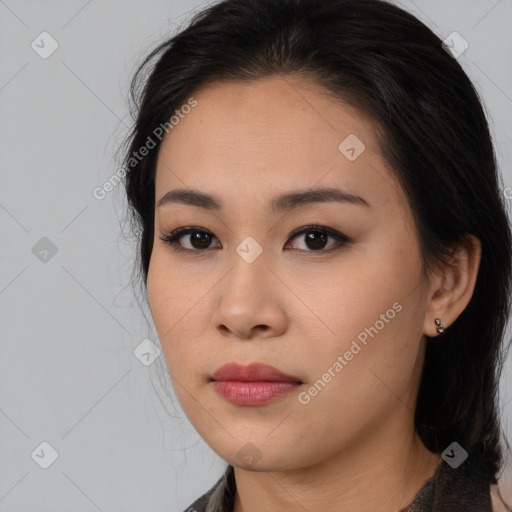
x: 173, y: 238
x: 340, y: 238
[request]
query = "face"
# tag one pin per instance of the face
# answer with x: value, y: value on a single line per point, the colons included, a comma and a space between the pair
x: 328, y: 290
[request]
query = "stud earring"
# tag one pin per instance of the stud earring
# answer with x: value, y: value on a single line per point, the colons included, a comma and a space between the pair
x: 440, y: 328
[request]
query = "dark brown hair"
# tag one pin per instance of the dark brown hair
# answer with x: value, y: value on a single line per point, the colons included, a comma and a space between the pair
x: 432, y: 131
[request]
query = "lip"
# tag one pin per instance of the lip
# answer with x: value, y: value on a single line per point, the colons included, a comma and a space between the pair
x: 254, y: 372
x: 255, y: 384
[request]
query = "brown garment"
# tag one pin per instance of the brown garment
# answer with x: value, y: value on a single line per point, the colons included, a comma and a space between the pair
x: 450, y: 490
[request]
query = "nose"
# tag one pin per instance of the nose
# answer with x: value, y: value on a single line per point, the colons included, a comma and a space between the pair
x: 250, y: 301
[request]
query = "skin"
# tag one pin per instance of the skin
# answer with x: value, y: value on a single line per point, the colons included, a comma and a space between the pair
x: 353, y: 446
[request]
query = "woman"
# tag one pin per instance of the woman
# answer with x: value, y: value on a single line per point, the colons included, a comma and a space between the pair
x: 326, y: 254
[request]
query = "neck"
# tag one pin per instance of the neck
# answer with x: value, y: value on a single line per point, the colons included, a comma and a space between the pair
x: 377, y: 476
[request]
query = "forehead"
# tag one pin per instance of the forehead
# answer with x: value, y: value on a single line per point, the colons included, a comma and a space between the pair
x: 271, y: 135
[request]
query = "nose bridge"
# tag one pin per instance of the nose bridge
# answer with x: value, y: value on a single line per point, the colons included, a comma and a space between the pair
x: 250, y: 250
x: 249, y: 263
x: 247, y: 301
x: 246, y: 293
x: 250, y: 243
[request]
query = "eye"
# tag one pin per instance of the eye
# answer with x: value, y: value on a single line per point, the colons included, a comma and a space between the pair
x: 316, y: 238
x: 200, y: 240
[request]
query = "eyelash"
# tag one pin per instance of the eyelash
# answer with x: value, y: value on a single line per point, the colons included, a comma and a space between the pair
x: 173, y: 238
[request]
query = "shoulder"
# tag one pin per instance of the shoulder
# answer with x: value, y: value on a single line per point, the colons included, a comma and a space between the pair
x: 202, y: 502
x: 219, y: 497
x: 199, y: 505
x: 498, y: 505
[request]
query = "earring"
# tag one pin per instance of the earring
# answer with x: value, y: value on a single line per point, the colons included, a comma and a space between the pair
x: 440, y: 328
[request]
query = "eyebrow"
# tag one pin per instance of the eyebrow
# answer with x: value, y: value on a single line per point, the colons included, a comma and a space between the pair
x: 286, y: 202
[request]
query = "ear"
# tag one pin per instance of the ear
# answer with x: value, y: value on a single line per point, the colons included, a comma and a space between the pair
x: 452, y: 285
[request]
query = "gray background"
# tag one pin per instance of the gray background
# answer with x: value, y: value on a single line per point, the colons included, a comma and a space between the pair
x: 71, y: 322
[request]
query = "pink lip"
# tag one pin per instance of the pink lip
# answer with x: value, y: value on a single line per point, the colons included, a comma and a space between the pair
x: 255, y: 384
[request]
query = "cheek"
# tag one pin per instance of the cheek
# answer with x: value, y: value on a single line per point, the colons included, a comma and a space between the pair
x: 370, y: 314
x: 170, y: 294
x: 356, y: 374
x: 164, y: 302
x: 177, y: 309
x: 160, y: 296
x: 352, y: 297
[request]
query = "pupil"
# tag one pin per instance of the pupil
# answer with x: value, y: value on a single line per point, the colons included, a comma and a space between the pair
x: 318, y: 241
x: 203, y: 244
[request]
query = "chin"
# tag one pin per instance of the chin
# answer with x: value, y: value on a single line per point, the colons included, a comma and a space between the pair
x: 258, y: 456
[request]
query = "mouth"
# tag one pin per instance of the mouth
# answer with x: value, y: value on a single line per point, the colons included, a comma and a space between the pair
x: 255, y: 384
